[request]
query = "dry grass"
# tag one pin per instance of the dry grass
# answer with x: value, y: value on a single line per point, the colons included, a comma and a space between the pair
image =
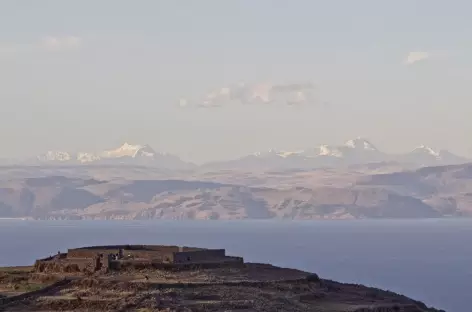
x: 21, y: 279
x: 16, y: 269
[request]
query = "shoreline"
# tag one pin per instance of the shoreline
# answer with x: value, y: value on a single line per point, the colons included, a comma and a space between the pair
x: 22, y: 219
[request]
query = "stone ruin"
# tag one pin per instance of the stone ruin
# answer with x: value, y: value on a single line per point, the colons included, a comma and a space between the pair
x: 102, y: 259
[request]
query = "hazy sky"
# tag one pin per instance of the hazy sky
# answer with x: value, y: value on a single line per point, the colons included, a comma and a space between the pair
x: 88, y: 75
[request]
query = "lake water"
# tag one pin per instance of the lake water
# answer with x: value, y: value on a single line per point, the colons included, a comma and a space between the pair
x: 429, y: 260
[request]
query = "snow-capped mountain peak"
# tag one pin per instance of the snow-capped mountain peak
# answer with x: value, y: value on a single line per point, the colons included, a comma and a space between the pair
x: 122, y: 151
x: 430, y: 150
x: 360, y: 143
x: 427, y: 150
x: 268, y: 152
x: 326, y: 150
x: 426, y: 155
x: 87, y: 157
x: 355, y: 151
x: 125, y: 154
x: 146, y: 151
x: 54, y: 156
x: 278, y: 153
x: 285, y: 154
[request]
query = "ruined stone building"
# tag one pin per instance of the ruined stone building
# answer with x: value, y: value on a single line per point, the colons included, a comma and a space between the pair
x: 106, y: 258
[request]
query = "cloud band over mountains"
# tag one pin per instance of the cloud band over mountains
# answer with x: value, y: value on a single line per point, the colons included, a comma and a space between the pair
x: 416, y: 56
x: 255, y: 94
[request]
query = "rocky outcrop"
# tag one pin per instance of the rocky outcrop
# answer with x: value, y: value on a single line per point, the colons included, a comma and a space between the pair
x: 254, y: 287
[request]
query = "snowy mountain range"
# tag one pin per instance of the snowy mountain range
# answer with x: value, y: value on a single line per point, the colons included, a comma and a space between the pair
x: 353, y: 152
x: 125, y: 154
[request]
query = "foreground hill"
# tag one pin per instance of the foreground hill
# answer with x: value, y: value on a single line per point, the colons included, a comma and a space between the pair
x: 253, y: 287
x: 429, y: 192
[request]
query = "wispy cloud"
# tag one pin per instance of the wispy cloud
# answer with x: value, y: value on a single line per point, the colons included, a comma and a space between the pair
x: 416, y: 56
x: 60, y: 43
x: 253, y: 94
x: 47, y: 43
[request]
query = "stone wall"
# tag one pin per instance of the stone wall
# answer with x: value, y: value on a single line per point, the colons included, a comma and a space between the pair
x: 137, y: 254
x: 163, y: 256
x: 200, y: 256
x: 162, y: 253
x: 64, y: 266
x: 92, y: 259
x: 89, y: 253
x: 137, y: 265
x: 71, y: 265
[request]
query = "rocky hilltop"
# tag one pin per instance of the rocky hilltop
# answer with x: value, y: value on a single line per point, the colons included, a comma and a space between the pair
x: 135, y: 285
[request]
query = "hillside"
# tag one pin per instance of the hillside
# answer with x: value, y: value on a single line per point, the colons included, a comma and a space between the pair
x: 247, y: 287
x: 105, y: 193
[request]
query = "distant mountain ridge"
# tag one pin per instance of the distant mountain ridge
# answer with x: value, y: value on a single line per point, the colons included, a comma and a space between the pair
x: 353, y: 152
x: 429, y: 192
x: 125, y: 154
x: 356, y: 151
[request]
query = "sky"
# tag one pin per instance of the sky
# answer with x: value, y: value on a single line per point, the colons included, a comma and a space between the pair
x: 91, y: 75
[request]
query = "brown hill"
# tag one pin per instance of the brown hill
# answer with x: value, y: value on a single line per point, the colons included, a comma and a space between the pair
x: 205, y: 287
x: 320, y: 194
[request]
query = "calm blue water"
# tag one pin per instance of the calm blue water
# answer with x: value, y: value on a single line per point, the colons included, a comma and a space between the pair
x: 429, y: 260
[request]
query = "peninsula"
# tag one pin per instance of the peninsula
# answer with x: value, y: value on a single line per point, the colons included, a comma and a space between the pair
x: 173, y: 278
